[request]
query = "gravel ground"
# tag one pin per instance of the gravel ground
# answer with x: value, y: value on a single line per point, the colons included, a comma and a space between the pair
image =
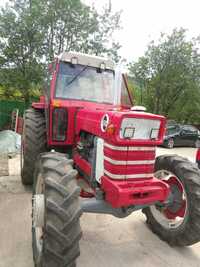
x: 106, y: 242
x: 3, y: 165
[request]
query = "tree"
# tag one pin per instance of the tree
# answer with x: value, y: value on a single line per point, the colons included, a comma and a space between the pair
x: 72, y: 25
x: 67, y: 24
x: 102, y: 42
x: 32, y: 32
x: 20, y: 47
x: 169, y: 77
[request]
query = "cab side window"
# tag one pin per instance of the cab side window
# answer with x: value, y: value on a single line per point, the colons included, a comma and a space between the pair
x: 125, y: 98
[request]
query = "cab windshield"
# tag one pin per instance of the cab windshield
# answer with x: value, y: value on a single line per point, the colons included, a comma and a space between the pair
x: 80, y: 82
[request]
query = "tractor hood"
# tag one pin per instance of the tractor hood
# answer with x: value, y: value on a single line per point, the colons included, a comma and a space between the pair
x: 122, y: 127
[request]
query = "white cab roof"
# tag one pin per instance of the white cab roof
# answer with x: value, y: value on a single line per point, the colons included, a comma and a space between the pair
x: 87, y: 60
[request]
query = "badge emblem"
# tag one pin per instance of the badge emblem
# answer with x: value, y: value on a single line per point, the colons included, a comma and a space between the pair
x: 104, y: 122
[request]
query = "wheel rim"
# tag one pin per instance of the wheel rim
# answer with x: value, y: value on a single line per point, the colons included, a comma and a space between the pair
x: 171, y: 143
x: 172, y: 215
x: 38, y: 214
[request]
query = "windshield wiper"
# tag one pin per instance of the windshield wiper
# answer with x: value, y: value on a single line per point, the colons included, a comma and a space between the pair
x: 75, y: 77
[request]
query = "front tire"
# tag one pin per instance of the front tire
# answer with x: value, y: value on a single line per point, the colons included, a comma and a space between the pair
x: 178, y: 223
x: 56, y: 212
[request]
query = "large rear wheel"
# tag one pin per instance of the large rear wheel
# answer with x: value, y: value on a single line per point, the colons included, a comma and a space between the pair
x: 33, y: 143
x: 178, y: 222
x: 56, y: 212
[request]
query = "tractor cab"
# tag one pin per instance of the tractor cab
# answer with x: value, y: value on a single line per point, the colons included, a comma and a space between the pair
x: 87, y: 78
x: 80, y: 81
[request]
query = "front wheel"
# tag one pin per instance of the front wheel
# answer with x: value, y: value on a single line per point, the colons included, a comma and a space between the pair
x: 178, y: 222
x: 56, y: 212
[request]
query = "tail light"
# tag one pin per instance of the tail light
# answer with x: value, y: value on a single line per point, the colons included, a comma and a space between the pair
x: 60, y: 121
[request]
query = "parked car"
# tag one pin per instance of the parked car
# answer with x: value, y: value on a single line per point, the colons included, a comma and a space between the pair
x: 181, y: 135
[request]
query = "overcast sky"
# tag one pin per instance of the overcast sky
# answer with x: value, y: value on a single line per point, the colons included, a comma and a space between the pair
x: 144, y: 20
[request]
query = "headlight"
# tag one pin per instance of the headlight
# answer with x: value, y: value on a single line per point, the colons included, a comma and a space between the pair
x: 154, y: 133
x: 140, y: 129
x: 129, y: 132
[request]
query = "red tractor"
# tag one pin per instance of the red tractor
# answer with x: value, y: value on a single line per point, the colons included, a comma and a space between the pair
x: 86, y: 148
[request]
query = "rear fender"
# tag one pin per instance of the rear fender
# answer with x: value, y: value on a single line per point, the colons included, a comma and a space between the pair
x: 39, y: 105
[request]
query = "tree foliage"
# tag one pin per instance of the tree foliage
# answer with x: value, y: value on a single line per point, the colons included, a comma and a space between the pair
x: 20, y: 50
x: 32, y: 32
x: 168, y: 76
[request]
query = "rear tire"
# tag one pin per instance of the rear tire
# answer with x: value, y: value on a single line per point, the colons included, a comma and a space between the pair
x: 58, y: 245
x: 33, y: 143
x: 188, y: 231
